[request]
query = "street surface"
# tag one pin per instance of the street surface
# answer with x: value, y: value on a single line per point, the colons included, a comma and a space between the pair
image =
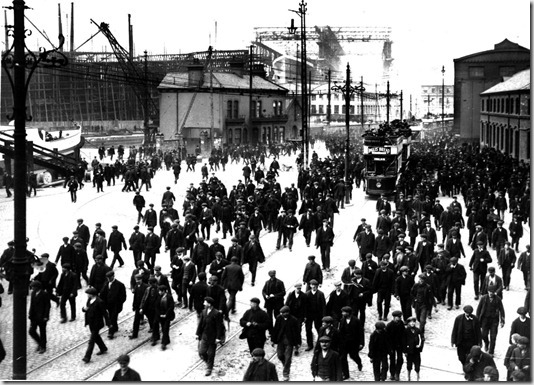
x: 51, y: 216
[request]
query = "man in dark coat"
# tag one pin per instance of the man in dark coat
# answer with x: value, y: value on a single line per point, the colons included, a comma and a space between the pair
x: 490, y: 312
x: 218, y: 265
x: 164, y: 314
x: 174, y: 239
x: 150, y: 219
x: 210, y: 332
x: 253, y: 254
x: 395, y: 331
x: 455, y: 277
x: 113, y: 295
x: 95, y: 316
x: 360, y: 295
x: 384, y: 285
x: 201, y: 255
x: 255, y: 323
x: 366, y: 242
x: 65, y: 253
x: 326, y: 363
x: 199, y: 291
x: 479, y: 265
x: 83, y: 232
x: 324, y: 240
x: 307, y: 225
x: 260, y: 369
x: 476, y: 363
x: 97, y: 277
x: 506, y: 260
x: 465, y: 333
x: 312, y: 271
x: 48, y: 276
x: 286, y: 335
x: 315, y: 311
x: 81, y: 263
x: 521, y: 325
x: 152, y: 245
x: 138, y: 291
x: 39, y: 314
x: 337, y: 299
x: 273, y: 294
x: 189, y: 276
x: 116, y: 243
x: 148, y: 302
x: 67, y: 289
x: 379, y: 347
x: 232, y: 280
x: 352, y: 340
x: 137, y: 243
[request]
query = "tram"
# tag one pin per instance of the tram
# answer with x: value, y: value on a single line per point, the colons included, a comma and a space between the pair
x: 385, y: 154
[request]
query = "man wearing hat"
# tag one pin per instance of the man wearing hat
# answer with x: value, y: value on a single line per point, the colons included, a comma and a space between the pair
x: 256, y: 222
x: 286, y: 335
x: 423, y: 301
x: 139, y: 203
x: 308, y: 224
x: 476, y: 362
x: 499, y: 236
x: 490, y: 312
x: 95, y: 317
x: 351, y: 335
x: 150, y: 219
x: 521, y: 325
x: 253, y: 254
x: 97, y: 276
x: 403, y: 291
x: 39, y: 314
x: 164, y: 314
x: 384, y: 285
x: 315, y: 310
x: 493, y: 280
x: 324, y: 240
x: 113, y: 294
x: 329, y: 329
x: 260, y: 369
x: 290, y: 224
x: 479, y: 265
x: 254, y: 322
x: 454, y: 246
x: 326, y: 363
x: 379, y: 348
x: 479, y: 236
x: 47, y: 276
x: 189, y: 275
x: 456, y: 275
x: 201, y: 254
x: 396, y: 333
x: 382, y: 244
x: 152, y: 246
x: 125, y: 373
x: 174, y: 239
x: 83, y: 232
x: 465, y: 333
x: 413, y: 346
x: 100, y: 244
x: 67, y: 289
x: 116, y: 243
x: 218, y: 265
x: 361, y: 295
x: 273, y: 294
x: 424, y: 252
x: 137, y: 244
x: 139, y: 289
x: 506, y: 259
x: 206, y: 220
x: 520, y: 359
x: 65, y: 253
x: 312, y: 270
x: 215, y: 248
x: 232, y: 280
x: 337, y: 299
x: 523, y: 264
x: 366, y: 242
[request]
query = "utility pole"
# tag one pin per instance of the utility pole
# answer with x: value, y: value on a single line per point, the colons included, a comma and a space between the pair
x: 401, y: 106
x: 443, y: 99
x: 250, y: 95
x: 361, y: 103
x: 347, y: 90
x: 329, y: 107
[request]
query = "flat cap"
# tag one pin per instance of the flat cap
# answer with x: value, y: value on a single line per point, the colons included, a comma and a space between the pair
x: 254, y: 299
x: 325, y: 339
x: 123, y: 358
x: 327, y: 319
x: 397, y: 313
x: 468, y: 309
x: 284, y: 309
x: 409, y: 319
x: 314, y: 282
x: 522, y: 310
x: 380, y: 325
x: 91, y: 290
x: 298, y: 284
x: 110, y: 273
x: 258, y: 352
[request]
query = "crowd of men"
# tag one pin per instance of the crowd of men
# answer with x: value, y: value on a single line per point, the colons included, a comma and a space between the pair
x: 402, y: 258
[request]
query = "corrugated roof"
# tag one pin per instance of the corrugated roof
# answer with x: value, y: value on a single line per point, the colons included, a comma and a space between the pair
x: 221, y: 80
x: 520, y: 81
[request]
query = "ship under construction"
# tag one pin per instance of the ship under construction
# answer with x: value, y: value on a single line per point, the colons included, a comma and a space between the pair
x: 117, y: 90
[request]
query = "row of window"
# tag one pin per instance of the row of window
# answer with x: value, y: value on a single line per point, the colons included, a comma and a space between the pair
x: 479, y: 72
x: 367, y: 109
x: 232, y: 109
x: 268, y: 134
x: 504, y: 105
x: 433, y: 90
x: 503, y: 139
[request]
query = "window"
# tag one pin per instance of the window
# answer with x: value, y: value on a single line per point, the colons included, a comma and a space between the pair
x: 313, y: 97
x: 433, y: 90
x: 280, y: 108
x: 236, y: 109
x: 321, y: 109
x: 507, y: 107
x: 351, y: 109
x: 313, y: 109
x: 476, y: 72
x: 229, y: 136
x: 336, y: 109
x: 228, y: 109
x: 483, y: 104
x: 517, y: 105
x: 336, y: 96
x: 258, y: 109
x: 425, y: 91
x: 343, y: 109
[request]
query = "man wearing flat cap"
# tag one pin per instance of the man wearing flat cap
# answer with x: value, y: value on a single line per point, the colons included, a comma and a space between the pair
x: 286, y: 335
x: 396, y: 333
x: 113, y: 294
x: 137, y: 244
x: 455, y: 279
x: 465, y: 333
x: 499, y: 236
x: 324, y: 239
x: 326, y: 363
x: 39, y: 314
x: 366, y: 241
x: 476, y: 362
x: 150, y: 219
x: 315, y: 310
x: 96, y: 316
x: 100, y: 244
x: 83, y: 232
x: 337, y: 299
x: 330, y: 330
x: 379, y: 348
x: 479, y: 265
x: 273, y: 294
x: 312, y: 270
x: 164, y: 314
x: 255, y: 323
x: 97, y: 276
x: 384, y: 285
x: 152, y: 246
x: 116, y: 243
x: 67, y: 290
x: 260, y: 369
x: 351, y: 335
x: 125, y: 373
x: 490, y: 312
x: 521, y: 325
x: 520, y: 359
x: 253, y: 254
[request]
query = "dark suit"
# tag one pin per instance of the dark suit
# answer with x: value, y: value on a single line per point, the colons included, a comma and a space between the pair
x: 115, y: 243
x: 361, y: 295
x: 465, y: 334
x: 455, y: 280
x: 315, y: 311
x: 274, y: 287
x: 39, y: 314
x: 164, y: 314
x: 260, y: 371
x: 253, y: 254
x: 307, y: 225
x: 83, y: 233
x: 66, y: 253
x: 217, y: 268
x: 198, y: 292
x: 113, y: 294
x: 351, y: 338
x: 137, y: 245
x: 489, y: 312
x: 130, y: 375
x: 97, y: 277
x: 210, y: 328
x: 138, y: 293
x: 189, y: 276
x: 95, y: 315
x: 325, y: 240
x: 327, y: 368
x: 255, y: 333
x: 67, y: 289
x: 152, y: 245
x: 286, y: 334
x: 232, y: 280
x: 479, y: 264
x: 366, y: 243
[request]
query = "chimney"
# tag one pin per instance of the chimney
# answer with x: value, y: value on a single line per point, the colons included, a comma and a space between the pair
x: 237, y: 66
x: 195, y: 74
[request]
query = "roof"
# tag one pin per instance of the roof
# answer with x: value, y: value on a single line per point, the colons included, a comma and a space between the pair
x: 504, y: 46
x: 519, y: 81
x: 221, y: 80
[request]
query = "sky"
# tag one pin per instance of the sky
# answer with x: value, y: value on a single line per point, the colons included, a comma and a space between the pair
x: 426, y: 34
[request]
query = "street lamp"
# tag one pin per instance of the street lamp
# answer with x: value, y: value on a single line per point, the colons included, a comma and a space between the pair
x: 347, y: 91
x: 303, y: 75
x: 19, y: 58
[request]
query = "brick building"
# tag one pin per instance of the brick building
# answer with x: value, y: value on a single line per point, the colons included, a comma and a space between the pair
x: 478, y: 72
x: 505, y: 116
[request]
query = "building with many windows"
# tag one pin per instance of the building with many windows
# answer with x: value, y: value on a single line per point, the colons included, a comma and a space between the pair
x: 505, y: 116
x: 431, y: 96
x: 215, y: 108
x: 477, y: 72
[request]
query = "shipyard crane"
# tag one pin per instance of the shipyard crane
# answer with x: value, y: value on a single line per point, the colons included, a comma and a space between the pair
x: 139, y: 83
